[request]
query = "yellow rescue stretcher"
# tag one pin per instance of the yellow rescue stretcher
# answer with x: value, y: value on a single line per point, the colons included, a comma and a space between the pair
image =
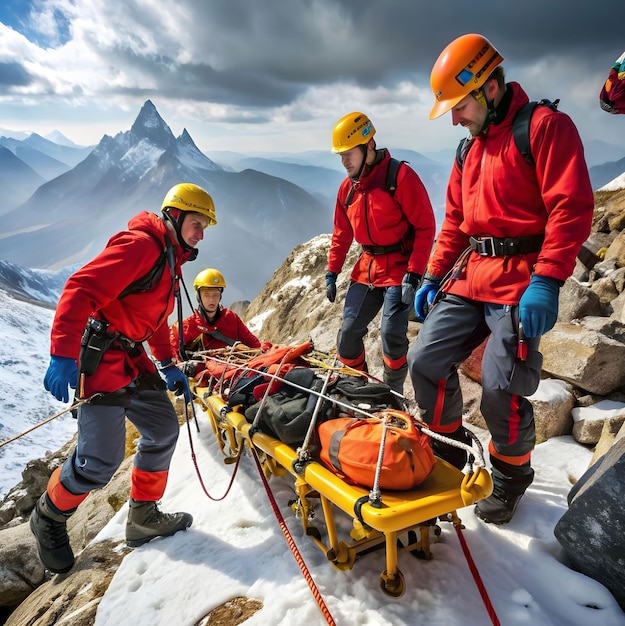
x: 376, y: 523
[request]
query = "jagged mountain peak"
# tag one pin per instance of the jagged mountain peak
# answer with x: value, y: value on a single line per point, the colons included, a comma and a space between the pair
x: 189, y: 154
x: 185, y: 138
x: 151, y: 126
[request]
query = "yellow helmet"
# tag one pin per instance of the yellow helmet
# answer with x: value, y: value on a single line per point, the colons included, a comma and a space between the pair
x: 209, y: 278
x: 190, y: 197
x: 353, y: 129
x: 462, y: 67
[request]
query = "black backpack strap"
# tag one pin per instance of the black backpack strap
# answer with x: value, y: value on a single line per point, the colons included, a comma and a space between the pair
x: 521, y: 127
x: 391, y: 175
x: 462, y: 149
x: 350, y: 196
x: 215, y: 334
x: 145, y: 282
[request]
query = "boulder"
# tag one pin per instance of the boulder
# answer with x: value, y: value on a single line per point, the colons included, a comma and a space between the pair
x: 589, y: 421
x: 552, y: 403
x: 591, y: 531
x: 577, y: 300
x: 21, y: 570
x: 584, y: 354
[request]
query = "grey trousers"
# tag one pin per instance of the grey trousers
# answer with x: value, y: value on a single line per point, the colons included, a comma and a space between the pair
x: 102, y: 439
x: 452, y: 330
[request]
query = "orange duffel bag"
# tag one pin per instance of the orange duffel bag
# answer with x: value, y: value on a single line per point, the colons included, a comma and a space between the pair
x: 351, y: 446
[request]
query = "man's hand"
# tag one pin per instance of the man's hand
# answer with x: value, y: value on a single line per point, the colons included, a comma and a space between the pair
x: 409, y: 285
x: 425, y: 297
x: 538, y: 308
x: 175, y: 379
x: 61, y: 374
x: 331, y: 285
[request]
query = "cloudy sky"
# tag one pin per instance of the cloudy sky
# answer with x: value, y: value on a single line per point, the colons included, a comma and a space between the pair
x: 277, y: 74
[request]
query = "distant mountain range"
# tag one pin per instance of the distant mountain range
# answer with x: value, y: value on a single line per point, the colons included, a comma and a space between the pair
x: 62, y: 202
x: 69, y: 219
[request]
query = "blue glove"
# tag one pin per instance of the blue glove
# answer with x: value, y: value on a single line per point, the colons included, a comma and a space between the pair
x: 61, y: 374
x: 331, y: 285
x: 409, y: 285
x: 175, y: 379
x: 425, y: 298
x: 538, y: 308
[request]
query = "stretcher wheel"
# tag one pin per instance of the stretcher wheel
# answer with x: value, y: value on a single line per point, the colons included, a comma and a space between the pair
x: 393, y: 586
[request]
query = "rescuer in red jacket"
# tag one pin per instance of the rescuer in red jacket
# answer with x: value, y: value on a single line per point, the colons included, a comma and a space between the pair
x: 509, y: 240
x: 212, y: 326
x: 612, y: 94
x: 108, y: 308
x: 395, y: 230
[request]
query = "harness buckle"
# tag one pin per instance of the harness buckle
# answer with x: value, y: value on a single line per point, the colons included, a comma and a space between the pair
x: 485, y: 246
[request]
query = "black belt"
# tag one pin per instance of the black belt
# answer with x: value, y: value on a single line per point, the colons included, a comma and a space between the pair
x: 508, y: 246
x: 396, y: 247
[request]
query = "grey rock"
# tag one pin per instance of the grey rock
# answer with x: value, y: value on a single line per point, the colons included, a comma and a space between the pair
x: 592, y: 530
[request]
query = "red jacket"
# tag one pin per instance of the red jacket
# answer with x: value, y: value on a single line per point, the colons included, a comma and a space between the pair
x: 196, y: 327
x: 497, y: 193
x: 375, y: 218
x: 93, y: 290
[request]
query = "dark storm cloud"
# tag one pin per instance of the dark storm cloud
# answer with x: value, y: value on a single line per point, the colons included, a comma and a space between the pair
x: 257, y: 54
x: 12, y: 74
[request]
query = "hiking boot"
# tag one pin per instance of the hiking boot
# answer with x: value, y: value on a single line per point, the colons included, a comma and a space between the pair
x: 508, y: 489
x: 49, y: 525
x: 145, y: 522
x: 497, y: 509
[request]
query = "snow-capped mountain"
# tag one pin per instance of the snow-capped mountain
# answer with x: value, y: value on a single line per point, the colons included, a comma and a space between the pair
x: 68, y: 220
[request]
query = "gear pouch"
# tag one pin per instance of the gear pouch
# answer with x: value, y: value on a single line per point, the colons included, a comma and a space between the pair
x: 526, y: 374
x: 94, y: 343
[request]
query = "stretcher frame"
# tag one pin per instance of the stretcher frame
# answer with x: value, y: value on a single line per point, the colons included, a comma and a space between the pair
x: 376, y: 523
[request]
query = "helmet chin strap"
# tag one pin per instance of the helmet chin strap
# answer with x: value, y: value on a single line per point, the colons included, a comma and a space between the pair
x: 363, y: 147
x: 177, y: 225
x: 491, y: 112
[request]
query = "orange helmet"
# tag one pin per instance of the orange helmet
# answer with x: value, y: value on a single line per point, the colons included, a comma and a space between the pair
x: 353, y: 129
x: 462, y: 67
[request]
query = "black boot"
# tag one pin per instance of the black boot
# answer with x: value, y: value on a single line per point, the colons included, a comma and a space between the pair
x: 508, y: 488
x: 395, y: 379
x: 450, y: 453
x: 145, y: 522
x: 49, y: 525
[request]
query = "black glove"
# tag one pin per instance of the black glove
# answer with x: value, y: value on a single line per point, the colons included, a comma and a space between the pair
x: 409, y: 284
x: 189, y: 368
x: 331, y: 285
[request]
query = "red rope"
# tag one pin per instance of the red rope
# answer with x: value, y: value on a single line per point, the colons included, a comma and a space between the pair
x: 291, y: 543
x: 476, y: 576
x: 197, y: 468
